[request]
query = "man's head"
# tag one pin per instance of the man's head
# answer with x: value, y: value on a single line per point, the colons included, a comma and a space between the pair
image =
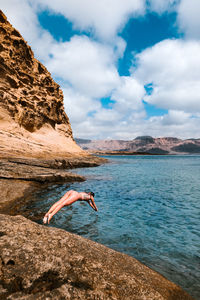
x: 90, y: 193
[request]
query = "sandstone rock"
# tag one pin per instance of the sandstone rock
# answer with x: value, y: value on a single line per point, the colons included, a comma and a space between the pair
x: 45, y: 170
x: 19, y: 176
x: 70, y: 162
x: 33, y: 122
x: 13, y: 192
x: 37, y: 262
x: 28, y: 92
x: 10, y: 170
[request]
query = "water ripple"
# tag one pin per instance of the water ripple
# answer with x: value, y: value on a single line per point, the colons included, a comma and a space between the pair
x: 148, y: 207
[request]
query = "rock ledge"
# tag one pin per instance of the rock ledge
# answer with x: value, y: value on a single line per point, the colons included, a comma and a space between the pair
x: 37, y: 262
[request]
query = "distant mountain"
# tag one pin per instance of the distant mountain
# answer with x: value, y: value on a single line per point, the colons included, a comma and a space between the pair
x: 144, y: 144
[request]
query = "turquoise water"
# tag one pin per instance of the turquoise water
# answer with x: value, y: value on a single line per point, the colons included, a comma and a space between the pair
x: 149, y: 208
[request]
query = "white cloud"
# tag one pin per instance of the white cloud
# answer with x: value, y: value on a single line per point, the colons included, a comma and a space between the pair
x: 175, y: 117
x: 119, y: 47
x: 173, y: 68
x: 106, y: 124
x: 78, y: 106
x: 128, y: 94
x: 22, y: 14
x: 105, y: 18
x: 175, y: 123
x: 107, y: 117
x: 188, y: 18
x: 90, y: 119
x: 87, y: 65
x: 160, y: 6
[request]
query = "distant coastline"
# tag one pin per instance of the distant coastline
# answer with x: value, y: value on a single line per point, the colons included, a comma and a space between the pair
x: 141, y: 145
x: 125, y: 153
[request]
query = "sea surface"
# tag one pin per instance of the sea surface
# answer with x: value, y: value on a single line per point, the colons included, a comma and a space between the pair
x: 149, y: 208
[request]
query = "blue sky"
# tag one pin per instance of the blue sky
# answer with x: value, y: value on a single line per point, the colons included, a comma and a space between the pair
x: 126, y: 67
x: 138, y: 33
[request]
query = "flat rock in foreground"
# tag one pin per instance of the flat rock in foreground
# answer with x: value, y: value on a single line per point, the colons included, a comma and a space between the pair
x: 37, y: 262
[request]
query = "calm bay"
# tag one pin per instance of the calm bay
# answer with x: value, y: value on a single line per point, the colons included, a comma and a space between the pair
x: 149, y: 208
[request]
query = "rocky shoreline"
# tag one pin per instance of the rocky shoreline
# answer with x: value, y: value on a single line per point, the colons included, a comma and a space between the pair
x: 37, y: 262
x: 22, y: 176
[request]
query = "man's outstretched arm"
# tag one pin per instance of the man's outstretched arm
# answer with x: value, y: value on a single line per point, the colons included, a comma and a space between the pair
x: 92, y: 203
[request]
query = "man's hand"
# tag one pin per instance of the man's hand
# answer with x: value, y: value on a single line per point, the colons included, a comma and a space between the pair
x: 92, y: 203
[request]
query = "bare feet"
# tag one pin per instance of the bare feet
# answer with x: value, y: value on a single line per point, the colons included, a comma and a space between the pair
x: 46, y: 219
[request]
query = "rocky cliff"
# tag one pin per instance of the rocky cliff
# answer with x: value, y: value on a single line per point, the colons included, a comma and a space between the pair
x: 37, y: 262
x: 32, y: 117
x: 144, y: 144
x: 36, y: 142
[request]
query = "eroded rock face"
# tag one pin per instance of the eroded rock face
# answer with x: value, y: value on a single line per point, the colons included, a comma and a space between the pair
x: 32, y: 117
x: 28, y: 92
x: 38, y: 262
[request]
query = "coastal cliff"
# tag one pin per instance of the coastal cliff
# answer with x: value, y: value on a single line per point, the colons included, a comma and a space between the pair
x: 32, y: 117
x: 36, y: 141
x: 37, y: 262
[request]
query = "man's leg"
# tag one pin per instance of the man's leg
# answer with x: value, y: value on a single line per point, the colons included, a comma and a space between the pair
x: 65, y: 197
x: 65, y: 202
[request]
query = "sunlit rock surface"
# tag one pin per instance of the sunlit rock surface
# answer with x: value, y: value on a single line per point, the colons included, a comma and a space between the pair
x: 32, y: 117
x: 38, y: 262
